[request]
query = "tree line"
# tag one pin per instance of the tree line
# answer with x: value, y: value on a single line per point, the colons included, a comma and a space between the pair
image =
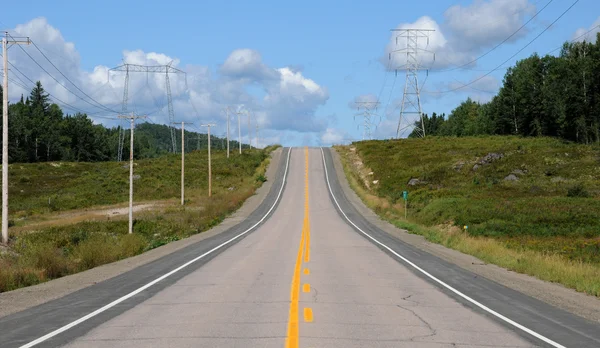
x: 556, y: 96
x: 40, y: 131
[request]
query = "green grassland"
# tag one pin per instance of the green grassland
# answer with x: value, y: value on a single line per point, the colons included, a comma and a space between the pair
x: 42, y: 254
x: 549, y: 206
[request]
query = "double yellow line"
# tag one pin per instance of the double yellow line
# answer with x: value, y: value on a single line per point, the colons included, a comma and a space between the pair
x: 293, y: 335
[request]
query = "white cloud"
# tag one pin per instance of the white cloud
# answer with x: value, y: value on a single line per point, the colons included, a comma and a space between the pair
x: 247, y: 63
x: 333, y: 136
x: 594, y: 29
x: 484, y: 23
x: 288, y: 101
x: 465, y: 33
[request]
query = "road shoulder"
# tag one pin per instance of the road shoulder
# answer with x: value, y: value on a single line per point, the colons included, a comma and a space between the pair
x: 580, y: 304
x: 28, y: 297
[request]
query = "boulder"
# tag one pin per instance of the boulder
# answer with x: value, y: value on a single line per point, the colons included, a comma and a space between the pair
x: 414, y: 182
x: 511, y: 177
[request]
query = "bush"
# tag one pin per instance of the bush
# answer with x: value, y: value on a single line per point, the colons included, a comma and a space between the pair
x: 261, y: 178
x: 578, y: 190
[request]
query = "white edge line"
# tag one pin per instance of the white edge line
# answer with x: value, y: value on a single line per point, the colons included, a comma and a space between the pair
x: 137, y: 291
x: 491, y: 311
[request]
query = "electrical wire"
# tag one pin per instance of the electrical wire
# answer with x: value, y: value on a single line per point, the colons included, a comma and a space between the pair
x: 463, y: 85
x: 498, y: 45
x: 56, y: 80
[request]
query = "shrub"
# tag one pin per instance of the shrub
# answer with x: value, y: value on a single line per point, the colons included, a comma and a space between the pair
x: 578, y: 190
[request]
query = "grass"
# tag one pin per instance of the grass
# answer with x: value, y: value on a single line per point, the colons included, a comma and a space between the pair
x: 545, y: 224
x: 40, y: 188
x: 50, y: 253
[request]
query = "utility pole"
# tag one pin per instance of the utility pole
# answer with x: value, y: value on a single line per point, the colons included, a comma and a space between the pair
x: 249, y: 131
x: 367, y: 116
x: 5, y: 43
x: 256, y: 134
x: 208, y: 125
x: 182, y: 159
x: 132, y: 119
x: 227, y: 110
x: 411, y: 98
x: 238, y: 113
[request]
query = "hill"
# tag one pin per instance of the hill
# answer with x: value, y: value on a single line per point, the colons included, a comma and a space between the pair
x: 530, y: 196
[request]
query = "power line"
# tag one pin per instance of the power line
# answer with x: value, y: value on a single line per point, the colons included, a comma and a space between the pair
x: 511, y: 57
x: 575, y: 39
x: 60, y: 102
x: 498, y: 45
x: 55, y: 79
x: 67, y: 78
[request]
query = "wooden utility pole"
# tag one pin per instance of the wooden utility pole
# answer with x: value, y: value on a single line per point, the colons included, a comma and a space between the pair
x: 132, y: 119
x: 227, y: 110
x: 182, y: 160
x: 5, y: 43
x: 208, y: 125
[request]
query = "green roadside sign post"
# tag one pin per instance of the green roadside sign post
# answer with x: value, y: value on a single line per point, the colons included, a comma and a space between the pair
x: 405, y: 196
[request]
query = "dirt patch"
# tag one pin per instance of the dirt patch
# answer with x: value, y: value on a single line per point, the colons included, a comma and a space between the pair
x: 92, y: 214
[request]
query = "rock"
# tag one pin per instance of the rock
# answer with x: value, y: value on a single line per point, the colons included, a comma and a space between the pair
x: 491, y: 157
x: 511, y: 177
x: 558, y: 179
x: 459, y: 165
x: 358, y: 163
x: 518, y: 172
x: 137, y: 177
x: 414, y: 182
x: 352, y: 149
x: 375, y: 182
x: 231, y: 188
x: 487, y: 159
x: 370, y: 173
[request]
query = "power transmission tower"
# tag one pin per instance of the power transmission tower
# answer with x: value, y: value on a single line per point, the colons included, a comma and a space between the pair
x: 154, y: 69
x: 124, y: 112
x: 411, y: 98
x: 132, y: 119
x: 208, y: 125
x: 367, y: 115
x: 182, y: 159
x: 5, y: 43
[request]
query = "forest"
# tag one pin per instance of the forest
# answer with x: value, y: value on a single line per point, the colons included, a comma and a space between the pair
x: 39, y: 131
x: 557, y: 96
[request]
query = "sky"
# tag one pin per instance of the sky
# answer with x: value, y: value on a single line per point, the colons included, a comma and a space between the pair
x: 296, y: 67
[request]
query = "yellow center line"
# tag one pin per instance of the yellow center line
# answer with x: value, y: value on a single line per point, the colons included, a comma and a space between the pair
x: 306, y: 271
x: 293, y: 336
x: 306, y: 287
x: 308, y: 315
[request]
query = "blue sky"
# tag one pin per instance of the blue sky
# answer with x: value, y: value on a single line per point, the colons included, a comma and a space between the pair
x: 330, y: 52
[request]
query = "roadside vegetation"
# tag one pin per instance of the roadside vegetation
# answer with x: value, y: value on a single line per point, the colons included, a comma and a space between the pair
x: 530, y: 204
x: 37, y: 255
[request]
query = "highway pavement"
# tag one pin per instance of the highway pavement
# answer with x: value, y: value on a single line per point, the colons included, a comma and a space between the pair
x: 312, y: 273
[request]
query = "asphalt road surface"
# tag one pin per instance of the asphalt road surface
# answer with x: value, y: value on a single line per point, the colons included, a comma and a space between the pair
x: 311, y: 274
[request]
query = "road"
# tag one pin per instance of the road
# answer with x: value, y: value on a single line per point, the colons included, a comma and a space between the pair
x: 306, y: 276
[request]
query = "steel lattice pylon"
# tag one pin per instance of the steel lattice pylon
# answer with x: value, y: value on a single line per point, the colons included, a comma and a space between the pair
x: 157, y: 69
x: 411, y: 98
